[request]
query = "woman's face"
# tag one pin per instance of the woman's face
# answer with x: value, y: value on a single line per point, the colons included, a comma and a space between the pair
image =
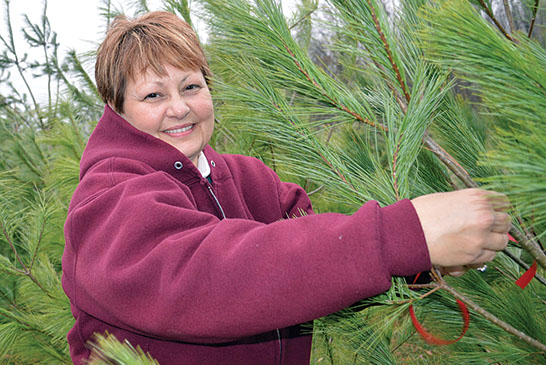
x: 176, y: 108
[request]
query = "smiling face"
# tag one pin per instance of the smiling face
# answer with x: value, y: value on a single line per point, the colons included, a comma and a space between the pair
x: 176, y: 108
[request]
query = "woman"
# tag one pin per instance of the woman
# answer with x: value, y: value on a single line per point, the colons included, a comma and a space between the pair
x: 188, y: 253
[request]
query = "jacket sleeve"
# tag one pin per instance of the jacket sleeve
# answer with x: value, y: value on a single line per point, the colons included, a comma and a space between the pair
x: 141, y: 257
x: 294, y: 201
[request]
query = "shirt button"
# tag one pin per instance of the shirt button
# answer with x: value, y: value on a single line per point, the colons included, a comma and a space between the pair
x: 178, y: 165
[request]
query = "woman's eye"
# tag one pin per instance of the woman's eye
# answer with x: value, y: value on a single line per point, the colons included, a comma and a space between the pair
x: 192, y: 87
x: 151, y: 96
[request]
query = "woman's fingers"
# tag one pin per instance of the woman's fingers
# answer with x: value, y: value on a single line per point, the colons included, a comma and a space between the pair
x: 457, y: 271
x: 463, y: 227
x: 453, y: 270
x: 484, y: 256
x: 501, y: 222
x: 496, y: 241
x: 498, y: 201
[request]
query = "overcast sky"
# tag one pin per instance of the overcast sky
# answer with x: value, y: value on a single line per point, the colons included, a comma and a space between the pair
x: 77, y: 23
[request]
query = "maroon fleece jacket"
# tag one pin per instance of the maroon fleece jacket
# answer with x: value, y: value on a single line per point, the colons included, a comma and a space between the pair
x: 151, y: 258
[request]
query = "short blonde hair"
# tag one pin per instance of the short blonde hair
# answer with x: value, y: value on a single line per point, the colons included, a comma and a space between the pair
x: 150, y: 41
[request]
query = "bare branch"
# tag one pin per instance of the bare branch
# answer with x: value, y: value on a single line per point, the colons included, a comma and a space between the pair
x: 509, y: 16
x: 17, y: 62
x: 492, y: 16
x: 535, y: 10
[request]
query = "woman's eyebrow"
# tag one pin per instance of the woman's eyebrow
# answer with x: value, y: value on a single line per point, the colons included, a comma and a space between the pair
x: 159, y: 82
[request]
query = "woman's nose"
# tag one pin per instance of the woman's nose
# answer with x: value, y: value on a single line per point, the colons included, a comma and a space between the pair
x: 178, y: 108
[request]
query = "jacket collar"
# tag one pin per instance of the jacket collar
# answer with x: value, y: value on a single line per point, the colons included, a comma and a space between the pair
x: 115, y: 137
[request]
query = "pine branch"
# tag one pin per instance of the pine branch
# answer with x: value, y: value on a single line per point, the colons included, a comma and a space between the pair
x: 527, y: 242
x: 39, y: 241
x: 388, y: 51
x: 509, y: 16
x: 394, y: 161
x: 108, y: 350
x: 25, y: 270
x: 434, y: 147
x: 11, y: 47
x: 303, y: 18
x: 78, y: 67
x: 333, y: 102
x: 532, y: 25
x: 493, y: 319
x: 447, y: 159
x: 180, y: 6
x: 440, y: 283
x: 11, y: 245
x: 523, y: 265
x: 330, y: 165
x: 494, y: 19
x: 402, y: 85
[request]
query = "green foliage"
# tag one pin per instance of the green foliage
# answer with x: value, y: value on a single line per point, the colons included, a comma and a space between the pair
x: 108, y: 350
x: 360, y: 138
x: 509, y: 76
x: 34, y: 312
x: 40, y: 152
x: 181, y: 8
x: 495, y: 291
x: 510, y: 79
x: 521, y: 155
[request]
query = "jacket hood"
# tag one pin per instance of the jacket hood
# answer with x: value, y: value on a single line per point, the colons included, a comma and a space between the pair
x: 115, y: 137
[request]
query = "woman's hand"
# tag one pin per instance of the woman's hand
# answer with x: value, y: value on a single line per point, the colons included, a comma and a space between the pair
x: 459, y: 270
x: 464, y: 227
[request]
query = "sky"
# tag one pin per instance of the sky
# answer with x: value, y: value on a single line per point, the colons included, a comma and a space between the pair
x: 78, y: 25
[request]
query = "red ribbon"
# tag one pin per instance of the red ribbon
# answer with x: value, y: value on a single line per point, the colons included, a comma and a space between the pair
x: 528, y: 275
x: 427, y: 336
x: 431, y: 339
x: 522, y: 282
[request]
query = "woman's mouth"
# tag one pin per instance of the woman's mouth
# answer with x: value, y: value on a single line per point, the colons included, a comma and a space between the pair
x: 179, y: 129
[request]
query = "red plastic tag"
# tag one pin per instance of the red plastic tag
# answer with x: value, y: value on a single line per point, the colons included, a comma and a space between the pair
x: 527, y: 276
x: 431, y: 339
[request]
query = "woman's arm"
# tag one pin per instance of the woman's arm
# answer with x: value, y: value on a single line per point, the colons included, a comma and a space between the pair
x: 141, y: 257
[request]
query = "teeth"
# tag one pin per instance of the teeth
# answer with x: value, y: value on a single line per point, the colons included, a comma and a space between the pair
x: 180, y: 130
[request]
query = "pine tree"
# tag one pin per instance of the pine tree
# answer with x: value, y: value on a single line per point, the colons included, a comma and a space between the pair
x: 432, y: 98
x: 42, y: 143
x: 433, y: 95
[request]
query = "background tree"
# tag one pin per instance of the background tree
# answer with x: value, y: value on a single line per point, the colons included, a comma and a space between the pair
x: 352, y: 100
x: 386, y: 126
